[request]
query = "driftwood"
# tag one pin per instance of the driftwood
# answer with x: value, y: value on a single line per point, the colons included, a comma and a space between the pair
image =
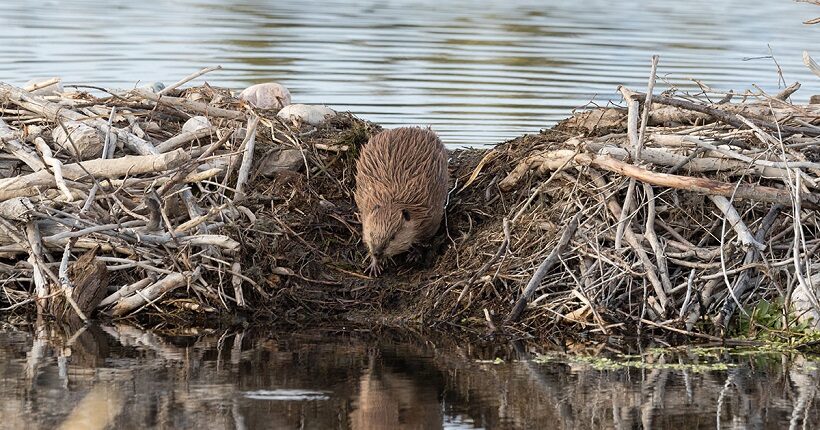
x: 151, y: 203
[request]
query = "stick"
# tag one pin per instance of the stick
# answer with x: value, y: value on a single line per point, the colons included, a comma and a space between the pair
x: 40, y: 85
x: 36, y: 244
x: 542, y: 270
x: 183, y: 138
x: 743, y: 281
x: 634, y: 243
x: 652, y: 237
x: 236, y: 281
x: 21, y: 151
x: 634, y: 143
x: 164, y: 285
x: 647, y: 107
x: 788, y: 91
x: 703, y: 185
x: 56, y: 166
x: 746, y: 237
x: 247, y: 158
x: 730, y: 118
x: 811, y: 64
x: 188, y: 105
x: 188, y: 78
x: 126, y: 291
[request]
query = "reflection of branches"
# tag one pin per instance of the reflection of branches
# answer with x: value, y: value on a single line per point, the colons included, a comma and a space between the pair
x: 806, y: 381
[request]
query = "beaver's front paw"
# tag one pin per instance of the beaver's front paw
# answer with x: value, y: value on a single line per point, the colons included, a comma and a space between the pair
x: 374, y: 269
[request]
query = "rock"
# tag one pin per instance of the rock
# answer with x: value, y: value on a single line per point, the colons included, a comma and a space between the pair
x: 802, y: 303
x: 814, y: 100
x: 306, y: 114
x: 281, y: 161
x: 50, y: 90
x: 196, y: 123
x: 269, y: 95
x: 87, y: 141
x: 154, y: 87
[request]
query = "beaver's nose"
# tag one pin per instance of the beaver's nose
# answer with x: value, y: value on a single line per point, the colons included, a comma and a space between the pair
x: 378, y: 252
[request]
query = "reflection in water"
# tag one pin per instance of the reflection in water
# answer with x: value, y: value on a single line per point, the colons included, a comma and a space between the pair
x: 122, y: 377
x: 478, y: 71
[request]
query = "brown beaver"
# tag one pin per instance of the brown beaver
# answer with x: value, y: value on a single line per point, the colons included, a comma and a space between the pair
x: 401, y: 190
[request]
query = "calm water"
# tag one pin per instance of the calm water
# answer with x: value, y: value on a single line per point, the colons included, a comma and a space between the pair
x: 479, y: 72
x: 123, y: 378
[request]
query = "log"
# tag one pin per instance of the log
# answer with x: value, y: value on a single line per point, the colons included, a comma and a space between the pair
x: 33, y: 183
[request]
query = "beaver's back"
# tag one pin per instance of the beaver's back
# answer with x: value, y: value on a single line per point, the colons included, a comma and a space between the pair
x: 406, y: 166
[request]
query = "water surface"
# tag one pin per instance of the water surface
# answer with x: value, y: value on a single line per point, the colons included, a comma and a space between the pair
x: 479, y: 72
x: 121, y: 377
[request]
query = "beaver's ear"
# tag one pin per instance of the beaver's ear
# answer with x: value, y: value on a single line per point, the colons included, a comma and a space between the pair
x: 405, y: 214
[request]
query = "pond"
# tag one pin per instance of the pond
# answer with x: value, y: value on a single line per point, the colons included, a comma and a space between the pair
x: 118, y: 376
x: 478, y: 72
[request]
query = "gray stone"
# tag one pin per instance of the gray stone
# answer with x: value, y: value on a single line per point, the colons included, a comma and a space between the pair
x: 280, y: 161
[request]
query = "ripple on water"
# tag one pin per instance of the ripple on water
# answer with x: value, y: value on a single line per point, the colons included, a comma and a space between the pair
x: 479, y: 72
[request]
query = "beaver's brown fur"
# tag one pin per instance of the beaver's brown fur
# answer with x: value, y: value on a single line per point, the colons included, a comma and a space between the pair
x: 401, y: 190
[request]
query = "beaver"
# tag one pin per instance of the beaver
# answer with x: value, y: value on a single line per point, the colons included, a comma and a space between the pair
x: 401, y: 190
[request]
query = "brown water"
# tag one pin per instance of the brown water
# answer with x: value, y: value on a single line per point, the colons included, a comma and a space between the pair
x: 479, y: 72
x: 121, y: 377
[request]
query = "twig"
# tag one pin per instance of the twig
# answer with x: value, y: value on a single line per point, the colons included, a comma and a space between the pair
x: 247, y: 158
x: 542, y: 270
x: 188, y: 78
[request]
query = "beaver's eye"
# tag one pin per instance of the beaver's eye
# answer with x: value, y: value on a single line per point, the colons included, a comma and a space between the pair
x: 376, y: 207
x: 406, y: 214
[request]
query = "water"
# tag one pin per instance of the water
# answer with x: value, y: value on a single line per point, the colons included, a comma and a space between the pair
x: 479, y: 72
x: 117, y: 376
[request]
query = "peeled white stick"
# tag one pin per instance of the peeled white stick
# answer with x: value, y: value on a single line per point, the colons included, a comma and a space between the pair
x: 11, y: 144
x: 36, y: 243
x: 150, y: 293
x: 743, y: 233
x: 811, y: 64
x: 56, y: 166
x: 247, y: 157
x: 125, y: 291
x: 188, y: 78
x: 236, y: 268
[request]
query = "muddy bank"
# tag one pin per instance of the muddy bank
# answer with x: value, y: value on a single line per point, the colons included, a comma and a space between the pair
x: 685, y: 219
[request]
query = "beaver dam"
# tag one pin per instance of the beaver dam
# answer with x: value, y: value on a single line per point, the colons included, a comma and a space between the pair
x: 675, y: 214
